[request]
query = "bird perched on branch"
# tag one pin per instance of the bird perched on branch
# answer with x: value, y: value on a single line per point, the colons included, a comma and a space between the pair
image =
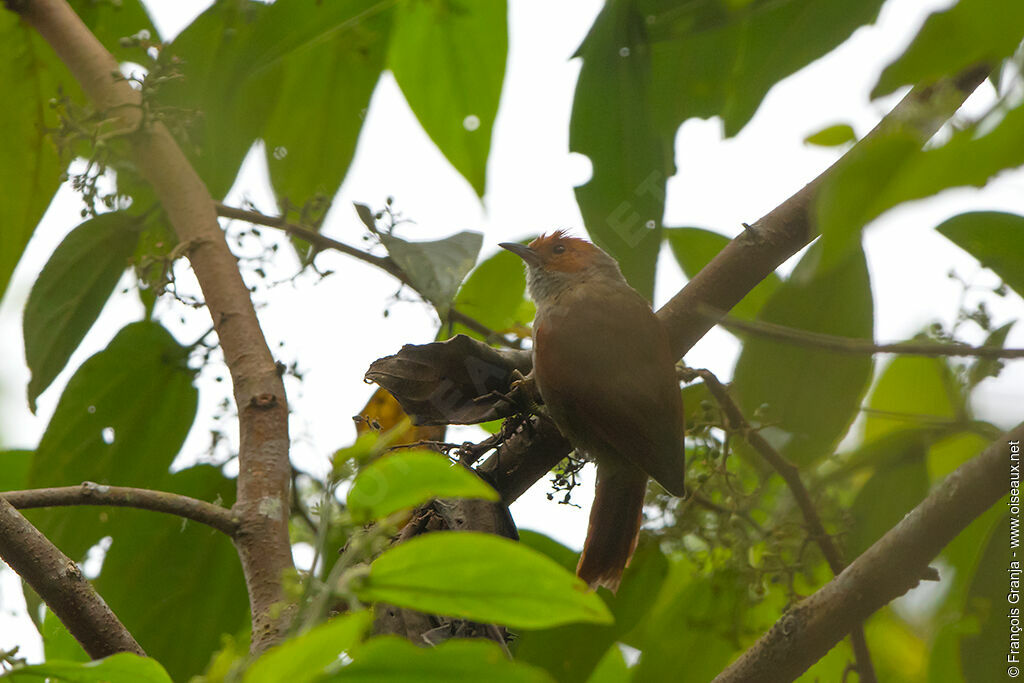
x: 603, y: 367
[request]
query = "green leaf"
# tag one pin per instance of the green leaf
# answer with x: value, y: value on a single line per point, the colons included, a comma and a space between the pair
x: 481, y: 577
x: 984, y: 654
x: 896, y: 487
x: 695, y: 247
x: 190, y: 574
x: 403, y: 480
x: 305, y: 657
x: 14, y: 467
x: 714, y: 58
x: 571, y: 652
x: 996, y: 239
x: 111, y: 21
x: 138, y: 394
x: 70, y: 292
x: 396, y: 660
x: 888, y: 170
x: 120, y: 668
x: 623, y: 204
x: 448, y: 57
x: 222, y: 87
x: 436, y: 269
x: 983, y: 368
x: 811, y: 395
x: 969, y: 33
x: 832, y: 136
x: 495, y: 294
x: 612, y: 668
x: 912, y: 391
x: 335, y: 54
x: 29, y: 168
x: 58, y: 643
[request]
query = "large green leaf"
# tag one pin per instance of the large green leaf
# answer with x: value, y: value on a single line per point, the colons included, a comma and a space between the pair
x: 29, y: 167
x: 624, y: 202
x: 436, y: 269
x: 403, y: 480
x: 984, y: 654
x: 695, y: 247
x: 495, y: 294
x: 189, y: 573
x: 996, y: 239
x: 713, y: 58
x: 811, y: 394
x: 120, y: 668
x: 396, y: 660
x: 70, y: 292
x: 448, y: 57
x: 223, y: 95
x: 890, y: 169
x: 58, y: 643
x: 333, y: 55
x: 14, y: 467
x: 304, y: 657
x: 481, y: 577
x: 898, y: 484
x: 969, y: 33
x: 121, y: 420
x: 912, y: 391
x: 571, y: 652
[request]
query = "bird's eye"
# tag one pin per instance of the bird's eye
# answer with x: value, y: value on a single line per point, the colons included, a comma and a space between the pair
x: 558, y: 249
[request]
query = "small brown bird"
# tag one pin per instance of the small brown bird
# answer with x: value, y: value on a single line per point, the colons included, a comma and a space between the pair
x: 603, y: 366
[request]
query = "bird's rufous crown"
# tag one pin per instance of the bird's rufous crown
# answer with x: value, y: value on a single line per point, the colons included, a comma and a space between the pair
x: 558, y: 251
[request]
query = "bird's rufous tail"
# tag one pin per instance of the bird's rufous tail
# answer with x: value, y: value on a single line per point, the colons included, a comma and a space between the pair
x: 614, y: 524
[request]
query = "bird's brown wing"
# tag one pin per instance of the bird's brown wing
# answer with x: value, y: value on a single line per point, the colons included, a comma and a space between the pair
x: 606, y: 372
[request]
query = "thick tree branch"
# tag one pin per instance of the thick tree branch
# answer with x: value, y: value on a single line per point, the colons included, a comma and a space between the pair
x: 791, y: 475
x: 60, y: 583
x: 886, y: 570
x: 89, y: 493
x: 262, y: 502
x: 764, y: 246
x: 388, y: 265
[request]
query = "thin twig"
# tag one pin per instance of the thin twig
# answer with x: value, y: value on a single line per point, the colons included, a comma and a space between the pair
x: 860, y: 346
x: 791, y: 475
x: 60, y: 583
x: 324, y: 243
x: 89, y: 493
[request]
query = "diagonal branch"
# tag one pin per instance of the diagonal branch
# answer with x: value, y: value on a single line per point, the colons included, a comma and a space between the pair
x: 60, y: 583
x: 263, y: 480
x: 883, y: 572
x: 782, y: 232
x: 89, y: 493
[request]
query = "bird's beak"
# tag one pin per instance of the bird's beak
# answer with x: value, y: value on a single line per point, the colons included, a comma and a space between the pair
x: 522, y: 251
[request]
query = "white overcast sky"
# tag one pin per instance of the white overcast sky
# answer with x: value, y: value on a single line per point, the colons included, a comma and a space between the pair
x: 336, y: 328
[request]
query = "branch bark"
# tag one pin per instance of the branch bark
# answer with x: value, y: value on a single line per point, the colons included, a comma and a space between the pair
x: 886, y: 570
x: 263, y: 481
x: 60, y: 583
x: 89, y: 493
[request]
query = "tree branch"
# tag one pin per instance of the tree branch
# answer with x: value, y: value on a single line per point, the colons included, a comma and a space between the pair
x: 388, y: 265
x: 263, y: 480
x: 60, y: 583
x: 764, y: 246
x: 886, y: 570
x: 90, y: 493
x: 735, y: 421
x: 861, y: 346
x: 748, y: 259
